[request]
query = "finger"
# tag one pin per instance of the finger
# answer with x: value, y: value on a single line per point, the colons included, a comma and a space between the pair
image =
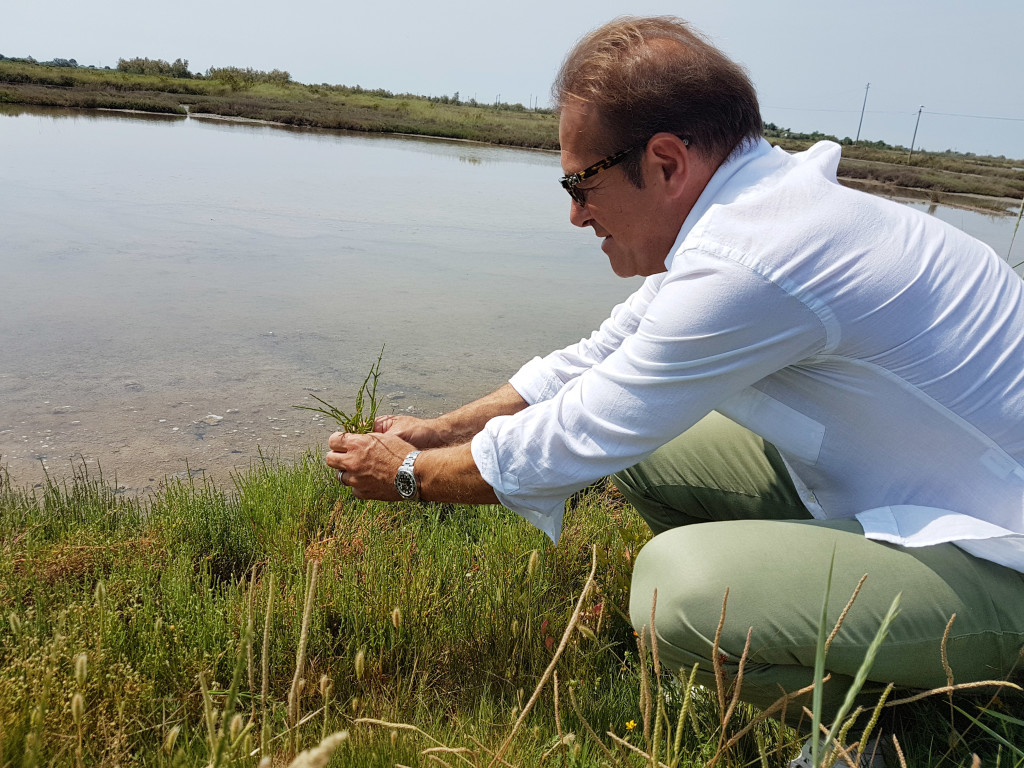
x: 334, y: 460
x: 383, y: 423
x: 336, y: 442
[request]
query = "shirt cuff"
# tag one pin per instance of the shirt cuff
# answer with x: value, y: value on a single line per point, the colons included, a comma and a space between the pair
x: 544, y: 514
x: 535, y: 381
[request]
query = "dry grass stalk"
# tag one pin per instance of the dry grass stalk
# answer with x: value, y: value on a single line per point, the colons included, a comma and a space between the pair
x: 899, y: 751
x: 294, y: 693
x: 656, y: 660
x: 320, y: 755
x: 949, y: 674
x: 846, y: 610
x: 945, y: 658
x: 265, y: 664
x: 637, y: 750
x: 564, y: 741
x: 587, y: 587
x: 458, y: 752
x: 586, y: 725
x: 249, y: 645
x: 736, y: 687
x: 558, y: 719
x: 448, y: 750
x: 776, y: 706
x: 659, y: 712
x: 489, y: 752
x: 645, y: 684
x: 716, y: 655
x: 957, y: 687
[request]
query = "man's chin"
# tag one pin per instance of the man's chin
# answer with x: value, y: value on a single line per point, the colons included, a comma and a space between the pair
x: 621, y: 268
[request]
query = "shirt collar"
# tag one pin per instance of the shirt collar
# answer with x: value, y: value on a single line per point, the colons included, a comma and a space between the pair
x: 740, y: 158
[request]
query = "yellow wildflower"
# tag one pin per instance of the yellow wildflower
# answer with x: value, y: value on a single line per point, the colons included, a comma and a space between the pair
x: 630, y: 725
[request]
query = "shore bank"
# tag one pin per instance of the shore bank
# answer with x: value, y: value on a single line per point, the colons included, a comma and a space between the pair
x: 988, y: 184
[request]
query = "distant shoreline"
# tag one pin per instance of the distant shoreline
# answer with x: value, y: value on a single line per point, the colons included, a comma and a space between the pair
x: 984, y: 184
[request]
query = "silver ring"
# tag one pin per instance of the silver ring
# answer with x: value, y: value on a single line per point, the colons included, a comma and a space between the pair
x: 341, y: 476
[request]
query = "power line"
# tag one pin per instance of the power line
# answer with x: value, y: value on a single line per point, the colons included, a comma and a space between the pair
x: 892, y: 112
x: 978, y: 117
x: 841, y: 111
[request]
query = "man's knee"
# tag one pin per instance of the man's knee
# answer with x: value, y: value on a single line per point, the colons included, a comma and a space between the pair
x: 677, y: 577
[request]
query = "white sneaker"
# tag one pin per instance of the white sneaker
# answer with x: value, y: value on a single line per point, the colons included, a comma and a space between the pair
x: 872, y: 757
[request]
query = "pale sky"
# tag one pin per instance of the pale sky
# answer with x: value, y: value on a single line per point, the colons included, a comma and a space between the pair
x: 810, y: 59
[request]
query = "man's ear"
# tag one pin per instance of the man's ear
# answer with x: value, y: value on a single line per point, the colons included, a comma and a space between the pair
x: 669, y: 162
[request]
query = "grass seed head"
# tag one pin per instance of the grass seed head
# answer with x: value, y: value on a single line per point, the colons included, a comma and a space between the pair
x: 360, y: 664
x: 81, y: 669
x: 534, y: 564
x: 326, y: 686
x: 77, y: 708
x: 396, y: 618
x: 172, y: 736
x: 236, y: 726
x: 320, y: 755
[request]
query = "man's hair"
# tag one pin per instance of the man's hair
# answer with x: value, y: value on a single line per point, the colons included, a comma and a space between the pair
x: 643, y: 76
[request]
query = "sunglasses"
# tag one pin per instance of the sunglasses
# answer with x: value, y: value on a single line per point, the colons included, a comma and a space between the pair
x: 571, y: 183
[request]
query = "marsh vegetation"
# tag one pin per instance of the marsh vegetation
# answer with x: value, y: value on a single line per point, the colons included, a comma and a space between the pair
x: 988, y: 183
x: 210, y: 625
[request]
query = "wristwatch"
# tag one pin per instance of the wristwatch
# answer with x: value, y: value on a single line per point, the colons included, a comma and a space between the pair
x: 405, y: 480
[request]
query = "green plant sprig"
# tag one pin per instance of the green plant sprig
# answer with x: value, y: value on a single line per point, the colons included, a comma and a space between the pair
x: 362, y: 418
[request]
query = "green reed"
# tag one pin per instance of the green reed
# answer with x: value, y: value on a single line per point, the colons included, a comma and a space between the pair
x: 362, y: 418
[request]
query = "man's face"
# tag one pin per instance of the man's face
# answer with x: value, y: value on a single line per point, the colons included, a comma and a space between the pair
x: 637, y: 226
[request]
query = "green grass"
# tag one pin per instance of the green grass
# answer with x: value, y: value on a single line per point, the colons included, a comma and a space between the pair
x: 434, y: 617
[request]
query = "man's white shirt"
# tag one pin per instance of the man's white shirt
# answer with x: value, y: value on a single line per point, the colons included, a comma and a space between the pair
x: 879, y: 349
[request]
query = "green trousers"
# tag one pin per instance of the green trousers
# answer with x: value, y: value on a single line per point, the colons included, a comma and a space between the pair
x: 727, y: 516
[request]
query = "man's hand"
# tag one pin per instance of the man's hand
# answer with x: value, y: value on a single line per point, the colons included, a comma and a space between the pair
x: 422, y: 433
x: 368, y: 463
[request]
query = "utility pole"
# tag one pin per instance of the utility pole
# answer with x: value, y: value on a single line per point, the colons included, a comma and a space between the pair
x: 911, y: 155
x: 862, y: 112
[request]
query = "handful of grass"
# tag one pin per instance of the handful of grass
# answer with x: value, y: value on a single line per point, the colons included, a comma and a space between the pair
x: 362, y: 418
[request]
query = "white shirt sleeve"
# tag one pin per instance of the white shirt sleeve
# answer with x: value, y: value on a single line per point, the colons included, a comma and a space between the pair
x: 711, y: 328
x: 541, y: 378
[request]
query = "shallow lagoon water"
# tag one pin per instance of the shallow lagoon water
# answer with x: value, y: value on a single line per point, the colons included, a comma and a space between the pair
x: 160, y: 271
x: 171, y: 287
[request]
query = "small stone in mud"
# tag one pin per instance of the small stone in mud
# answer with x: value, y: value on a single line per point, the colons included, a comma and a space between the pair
x: 212, y: 419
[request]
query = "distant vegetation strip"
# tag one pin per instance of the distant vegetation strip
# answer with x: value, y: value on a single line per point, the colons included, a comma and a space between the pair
x: 159, y: 86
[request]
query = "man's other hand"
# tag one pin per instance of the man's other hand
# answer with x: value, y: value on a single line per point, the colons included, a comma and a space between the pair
x: 422, y: 433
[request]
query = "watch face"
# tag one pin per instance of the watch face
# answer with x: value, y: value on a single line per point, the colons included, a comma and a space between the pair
x: 406, y: 484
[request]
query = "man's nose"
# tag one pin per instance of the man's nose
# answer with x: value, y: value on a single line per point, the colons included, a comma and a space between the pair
x: 578, y: 214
